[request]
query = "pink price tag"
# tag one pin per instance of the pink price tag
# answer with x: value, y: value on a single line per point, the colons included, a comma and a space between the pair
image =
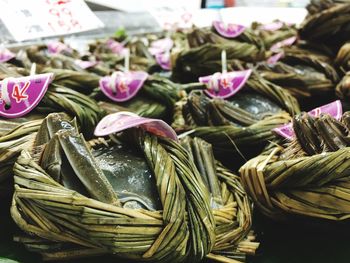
x: 120, y: 121
x: 6, y: 55
x: 85, y: 64
x: 225, y: 85
x: 123, y: 86
x: 229, y: 30
x: 116, y: 47
x: 19, y: 96
x: 274, y: 26
x: 284, y: 43
x: 56, y: 47
x: 163, y: 59
x: 334, y: 109
x: 275, y: 58
x: 161, y: 46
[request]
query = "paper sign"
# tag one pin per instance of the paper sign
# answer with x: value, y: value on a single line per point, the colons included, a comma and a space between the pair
x: 6, y: 55
x: 121, y: 121
x: 123, y: 86
x: 42, y: 18
x: 334, y: 109
x: 173, y: 18
x: 18, y: 96
x: 287, y: 42
x: 246, y: 15
x: 228, y: 30
x: 225, y: 85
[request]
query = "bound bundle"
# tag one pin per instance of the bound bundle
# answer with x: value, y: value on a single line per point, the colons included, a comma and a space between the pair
x: 329, y: 26
x: 144, y: 200
x: 61, y: 98
x: 206, y: 59
x: 110, y: 52
x: 343, y: 88
x: 308, y: 176
x: 156, y: 99
x: 304, y: 71
x: 19, y: 136
x: 240, y: 124
x: 201, y: 36
x: 316, y: 6
x: 343, y: 57
x: 273, y: 33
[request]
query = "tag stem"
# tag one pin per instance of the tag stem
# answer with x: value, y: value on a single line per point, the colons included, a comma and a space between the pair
x: 33, y: 69
x: 224, y: 61
x: 127, y: 60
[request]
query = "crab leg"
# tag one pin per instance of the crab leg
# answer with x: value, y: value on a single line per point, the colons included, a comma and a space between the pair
x: 85, y: 167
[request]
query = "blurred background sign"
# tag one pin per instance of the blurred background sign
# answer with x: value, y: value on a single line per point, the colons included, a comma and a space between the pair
x: 246, y: 15
x: 42, y: 18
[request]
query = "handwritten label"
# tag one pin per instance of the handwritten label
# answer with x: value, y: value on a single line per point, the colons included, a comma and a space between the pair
x: 275, y: 58
x: 19, y: 96
x: 121, y: 121
x: 161, y: 46
x: 6, y: 55
x: 42, y: 18
x: 284, y: 43
x: 228, y: 30
x: 334, y: 109
x: 225, y: 85
x: 56, y: 47
x: 170, y: 18
x: 85, y: 64
x: 123, y: 86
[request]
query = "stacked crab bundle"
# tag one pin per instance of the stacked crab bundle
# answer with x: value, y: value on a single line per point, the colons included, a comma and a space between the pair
x: 136, y: 195
x: 140, y: 197
x: 132, y: 147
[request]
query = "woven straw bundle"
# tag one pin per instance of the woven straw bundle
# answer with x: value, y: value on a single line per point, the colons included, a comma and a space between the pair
x: 63, y: 223
x: 308, y: 176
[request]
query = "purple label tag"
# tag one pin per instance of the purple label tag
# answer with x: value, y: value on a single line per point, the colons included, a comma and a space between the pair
x: 225, y: 85
x: 230, y: 30
x: 6, y: 55
x: 18, y: 96
x: 116, y: 47
x: 161, y: 46
x: 334, y: 109
x: 120, y: 121
x: 85, y: 64
x: 287, y: 42
x: 56, y: 47
x: 274, y: 26
x: 123, y: 86
x: 163, y: 59
x: 275, y: 58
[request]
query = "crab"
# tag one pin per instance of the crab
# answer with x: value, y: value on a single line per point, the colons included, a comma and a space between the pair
x: 111, y: 174
x: 149, y: 195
